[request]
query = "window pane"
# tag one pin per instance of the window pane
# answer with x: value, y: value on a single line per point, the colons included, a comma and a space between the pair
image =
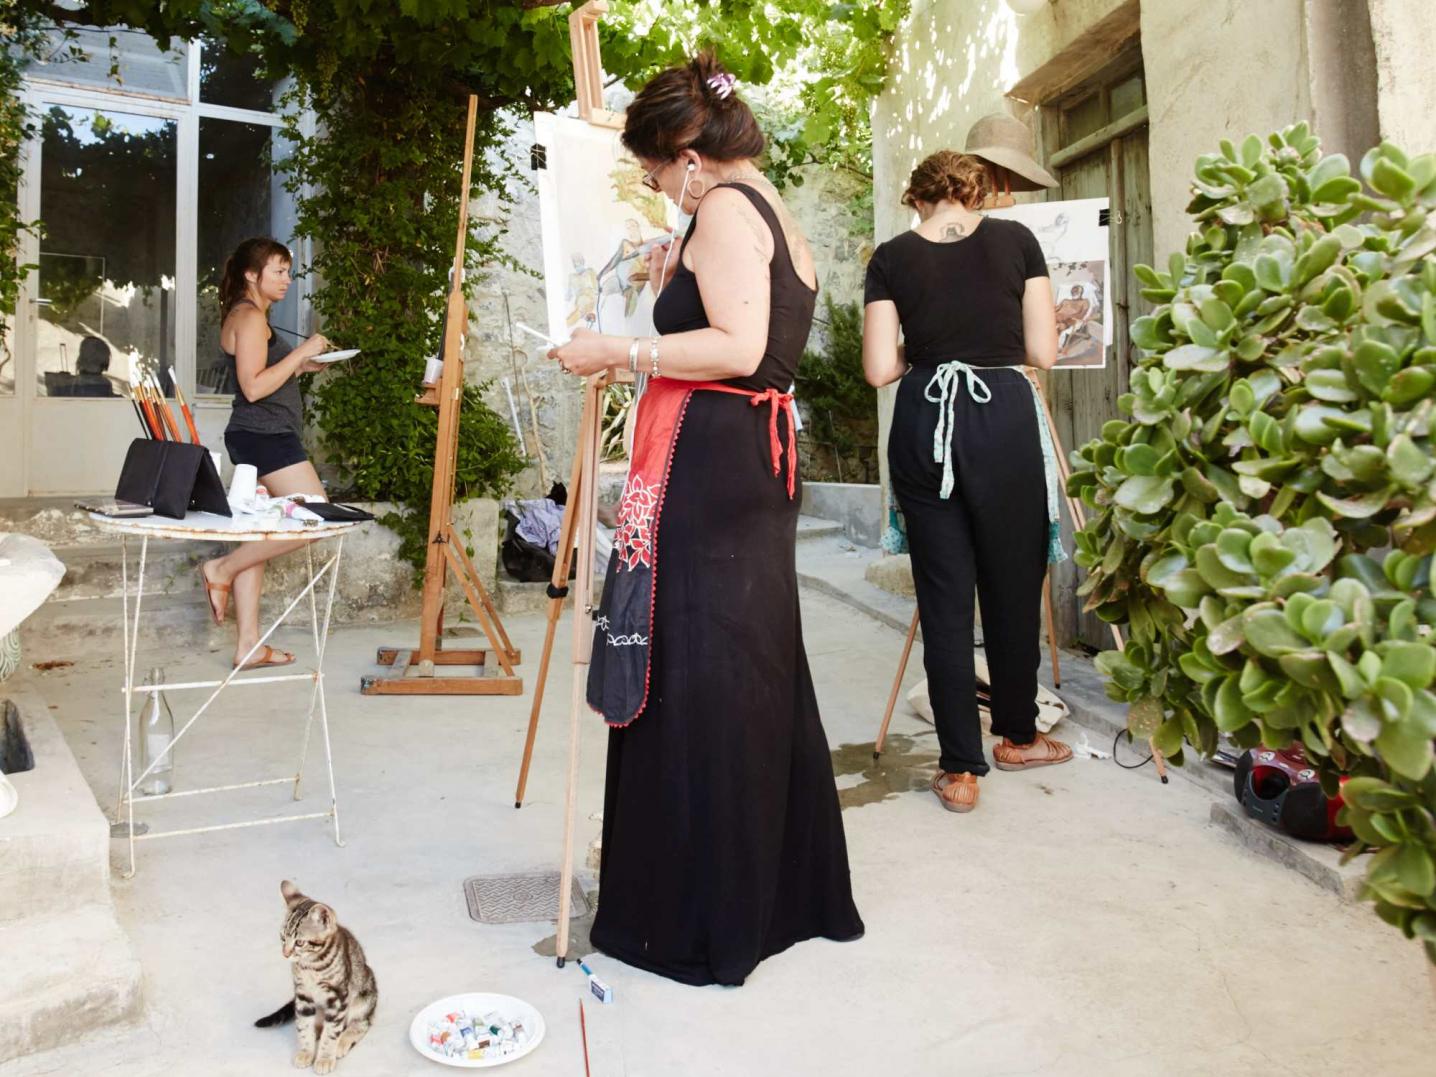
x: 1128, y: 96
x: 240, y: 195
x: 107, y: 257
x: 227, y: 79
x: 1083, y: 118
x: 115, y: 58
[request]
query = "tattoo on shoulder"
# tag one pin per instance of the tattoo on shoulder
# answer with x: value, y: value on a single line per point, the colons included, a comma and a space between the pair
x: 951, y: 233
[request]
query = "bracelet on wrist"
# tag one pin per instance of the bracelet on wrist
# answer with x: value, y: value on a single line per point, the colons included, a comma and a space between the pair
x: 633, y: 356
x: 653, y: 356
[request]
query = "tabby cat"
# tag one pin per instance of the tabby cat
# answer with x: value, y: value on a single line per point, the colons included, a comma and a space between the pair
x: 335, y: 992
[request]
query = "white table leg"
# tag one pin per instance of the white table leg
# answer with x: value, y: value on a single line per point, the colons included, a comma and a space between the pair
x: 314, y: 688
x: 132, y: 646
x: 319, y: 683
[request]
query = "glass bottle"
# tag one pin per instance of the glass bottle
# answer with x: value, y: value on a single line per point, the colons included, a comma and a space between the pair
x: 157, y: 731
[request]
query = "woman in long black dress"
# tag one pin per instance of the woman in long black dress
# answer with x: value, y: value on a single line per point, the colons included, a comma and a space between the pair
x: 722, y: 837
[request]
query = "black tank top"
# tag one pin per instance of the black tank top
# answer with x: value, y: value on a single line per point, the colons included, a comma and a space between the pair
x: 281, y: 412
x: 790, y: 315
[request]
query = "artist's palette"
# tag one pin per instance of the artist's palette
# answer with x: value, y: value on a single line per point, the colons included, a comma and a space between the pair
x: 509, y: 1012
x: 335, y: 357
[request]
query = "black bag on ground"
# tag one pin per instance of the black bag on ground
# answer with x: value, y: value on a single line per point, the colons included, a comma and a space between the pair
x: 524, y: 560
x: 171, y: 477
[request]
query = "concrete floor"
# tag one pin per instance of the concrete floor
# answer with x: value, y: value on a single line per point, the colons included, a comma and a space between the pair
x: 1085, y: 920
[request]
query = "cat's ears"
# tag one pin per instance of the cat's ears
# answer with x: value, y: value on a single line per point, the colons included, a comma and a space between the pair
x: 322, y: 915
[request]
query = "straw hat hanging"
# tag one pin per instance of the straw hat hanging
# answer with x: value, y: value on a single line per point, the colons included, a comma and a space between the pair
x: 1001, y: 140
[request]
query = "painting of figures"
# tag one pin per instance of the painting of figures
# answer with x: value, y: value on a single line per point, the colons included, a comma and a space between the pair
x: 1073, y: 237
x: 596, y: 216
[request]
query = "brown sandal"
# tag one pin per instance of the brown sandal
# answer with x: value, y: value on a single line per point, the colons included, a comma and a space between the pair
x: 209, y: 590
x: 957, y: 792
x: 267, y: 658
x: 1044, y: 751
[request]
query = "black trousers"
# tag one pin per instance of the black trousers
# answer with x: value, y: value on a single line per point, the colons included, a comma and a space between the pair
x: 989, y: 534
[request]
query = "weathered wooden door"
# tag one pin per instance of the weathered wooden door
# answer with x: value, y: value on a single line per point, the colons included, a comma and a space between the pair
x: 1095, y: 143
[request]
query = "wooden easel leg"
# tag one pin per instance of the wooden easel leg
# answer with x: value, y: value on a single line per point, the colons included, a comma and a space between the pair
x: 897, y: 686
x: 1051, y: 630
x: 582, y: 654
x: 558, y: 582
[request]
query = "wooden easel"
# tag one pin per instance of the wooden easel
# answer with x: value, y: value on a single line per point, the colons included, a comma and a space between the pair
x: 580, y: 518
x: 414, y: 672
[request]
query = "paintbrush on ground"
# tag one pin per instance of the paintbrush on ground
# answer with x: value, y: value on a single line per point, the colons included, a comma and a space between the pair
x: 583, y: 1030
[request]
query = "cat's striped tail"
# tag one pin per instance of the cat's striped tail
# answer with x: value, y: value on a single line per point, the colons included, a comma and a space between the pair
x: 281, y: 1016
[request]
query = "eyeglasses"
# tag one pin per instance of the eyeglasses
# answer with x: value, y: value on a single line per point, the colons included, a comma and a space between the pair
x: 648, y: 177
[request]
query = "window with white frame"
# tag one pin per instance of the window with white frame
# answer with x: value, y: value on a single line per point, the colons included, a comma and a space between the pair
x: 153, y: 164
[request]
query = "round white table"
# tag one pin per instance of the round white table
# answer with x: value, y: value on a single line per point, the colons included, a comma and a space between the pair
x: 207, y: 527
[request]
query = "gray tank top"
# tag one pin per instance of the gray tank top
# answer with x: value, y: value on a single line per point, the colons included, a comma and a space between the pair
x: 281, y: 412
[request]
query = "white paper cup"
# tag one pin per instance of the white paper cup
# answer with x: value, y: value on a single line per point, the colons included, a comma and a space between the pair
x: 433, y: 370
x: 241, y: 486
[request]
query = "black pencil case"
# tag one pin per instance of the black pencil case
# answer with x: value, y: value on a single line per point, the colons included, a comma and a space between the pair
x: 171, y: 477
x: 327, y: 510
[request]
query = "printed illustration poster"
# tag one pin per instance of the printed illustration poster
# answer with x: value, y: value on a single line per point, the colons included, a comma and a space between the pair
x: 1074, y: 241
x: 595, y: 214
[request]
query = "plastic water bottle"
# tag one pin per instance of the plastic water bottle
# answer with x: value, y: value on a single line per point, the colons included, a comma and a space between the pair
x: 157, y: 732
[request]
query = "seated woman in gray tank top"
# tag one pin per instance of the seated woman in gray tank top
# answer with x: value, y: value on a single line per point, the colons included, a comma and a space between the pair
x: 264, y: 427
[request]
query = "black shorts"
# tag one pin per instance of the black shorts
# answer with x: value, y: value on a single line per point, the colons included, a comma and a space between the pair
x: 267, y: 452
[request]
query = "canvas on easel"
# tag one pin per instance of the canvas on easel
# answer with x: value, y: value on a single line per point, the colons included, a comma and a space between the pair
x: 596, y: 216
x: 414, y: 671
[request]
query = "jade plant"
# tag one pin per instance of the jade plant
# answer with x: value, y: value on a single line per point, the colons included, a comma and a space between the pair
x: 1264, y: 514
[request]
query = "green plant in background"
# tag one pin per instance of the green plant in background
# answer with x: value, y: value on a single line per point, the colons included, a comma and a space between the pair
x: 378, y: 184
x: 839, y: 406
x: 1265, y: 518
x: 15, y: 128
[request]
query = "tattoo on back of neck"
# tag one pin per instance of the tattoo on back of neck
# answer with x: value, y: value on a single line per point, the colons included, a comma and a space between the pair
x: 951, y: 233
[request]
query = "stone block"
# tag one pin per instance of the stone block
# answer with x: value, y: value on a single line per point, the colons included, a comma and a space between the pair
x: 55, y: 845
x: 892, y: 574
x: 857, y: 506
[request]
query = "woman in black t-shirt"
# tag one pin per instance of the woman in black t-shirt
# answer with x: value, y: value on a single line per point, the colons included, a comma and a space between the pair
x: 968, y: 458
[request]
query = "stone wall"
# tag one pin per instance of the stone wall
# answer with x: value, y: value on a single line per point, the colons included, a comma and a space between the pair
x: 1357, y: 70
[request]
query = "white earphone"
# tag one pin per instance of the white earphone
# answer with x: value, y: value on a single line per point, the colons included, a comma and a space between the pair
x: 691, y: 166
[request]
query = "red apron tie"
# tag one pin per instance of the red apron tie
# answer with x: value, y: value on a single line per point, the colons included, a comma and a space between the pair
x: 777, y: 402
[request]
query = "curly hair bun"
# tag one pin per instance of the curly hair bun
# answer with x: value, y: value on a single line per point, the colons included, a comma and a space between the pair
x: 949, y: 176
x: 692, y: 106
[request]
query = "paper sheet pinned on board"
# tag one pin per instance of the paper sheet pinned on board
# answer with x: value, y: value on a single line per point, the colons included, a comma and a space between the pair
x: 1074, y: 236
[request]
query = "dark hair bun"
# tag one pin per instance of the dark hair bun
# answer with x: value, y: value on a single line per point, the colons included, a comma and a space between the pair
x: 692, y: 106
x: 949, y: 176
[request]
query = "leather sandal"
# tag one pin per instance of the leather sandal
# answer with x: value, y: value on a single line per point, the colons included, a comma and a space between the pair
x: 209, y: 592
x: 956, y: 792
x: 1044, y: 751
x: 267, y: 656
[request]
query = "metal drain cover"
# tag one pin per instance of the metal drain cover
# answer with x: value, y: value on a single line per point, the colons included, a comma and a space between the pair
x: 519, y: 899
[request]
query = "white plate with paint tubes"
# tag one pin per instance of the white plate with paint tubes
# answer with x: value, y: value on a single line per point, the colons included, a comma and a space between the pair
x: 476, y: 1030
x: 336, y: 357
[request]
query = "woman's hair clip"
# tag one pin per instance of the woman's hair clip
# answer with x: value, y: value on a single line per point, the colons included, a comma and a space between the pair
x: 722, y: 85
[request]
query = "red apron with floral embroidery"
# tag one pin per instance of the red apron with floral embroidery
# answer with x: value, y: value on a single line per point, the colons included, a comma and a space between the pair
x: 618, y: 675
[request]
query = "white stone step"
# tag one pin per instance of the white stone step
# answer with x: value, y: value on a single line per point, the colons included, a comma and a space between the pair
x: 65, y: 975
x: 95, y: 570
x: 55, y: 845
x: 811, y: 527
